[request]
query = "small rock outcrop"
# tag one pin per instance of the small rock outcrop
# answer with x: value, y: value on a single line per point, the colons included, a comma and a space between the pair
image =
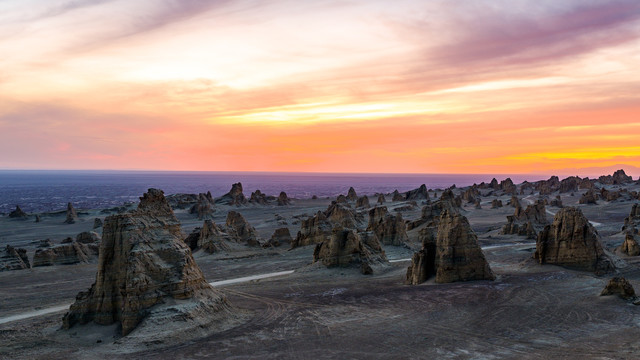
x: 571, y: 241
x: 557, y: 202
x: 144, y: 262
x: 395, y: 196
x: 514, y: 202
x: 389, y: 229
x: 240, y: 229
x: 454, y: 256
x: 619, y: 286
x: 88, y: 237
x: 318, y: 228
x: 589, y: 197
x: 72, y: 216
x: 97, y: 223
x: 351, y: 194
x: 619, y: 177
x: 204, y: 208
x: 283, y: 199
x: 68, y: 253
x: 18, y: 213
x: 420, y: 193
x: 631, y: 221
x: 257, y: 197
x: 279, y: 237
x: 630, y: 245
x: 495, y: 204
x: 210, y: 238
x: 363, y: 202
x: 233, y: 197
x: 381, y: 199
x: 13, y: 259
x: 348, y: 248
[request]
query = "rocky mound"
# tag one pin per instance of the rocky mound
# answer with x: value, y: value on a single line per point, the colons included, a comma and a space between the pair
x: 619, y: 177
x: 18, y: 213
x: 631, y: 221
x: 210, y: 238
x: 97, y: 223
x: 72, y: 216
x: 363, y: 202
x: 514, y: 202
x: 68, y: 253
x: 420, y: 193
x: 88, y: 237
x: 351, y: 194
x: 233, y: 197
x: 630, y: 245
x: 619, y: 286
x: 381, y: 199
x: 431, y: 212
x: 279, y: 237
x: 283, y: 199
x: 204, y: 207
x: 240, y: 230
x: 388, y: 229
x: 347, y: 248
x: 13, y: 259
x: 318, y: 228
x: 495, y: 204
x: 395, y: 196
x: 569, y: 184
x: 257, y: 197
x: 571, y: 241
x: 557, y: 202
x: 589, y: 197
x: 143, y: 262
x: 454, y: 256
x: 471, y: 194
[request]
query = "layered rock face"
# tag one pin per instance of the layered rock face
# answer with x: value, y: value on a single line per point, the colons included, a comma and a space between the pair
x: 18, y: 213
x: 143, y: 260
x: 13, y: 259
x: 347, y: 247
x: 389, y: 229
x: 240, y: 229
x: 72, y: 216
x: 234, y: 196
x: 68, y: 253
x: 204, y: 207
x: 526, y: 222
x: 569, y: 184
x: 455, y: 255
x: 363, y: 202
x: 431, y: 212
x: 590, y: 197
x: 571, y: 241
x: 351, y: 194
x: 283, y: 199
x: 619, y: 286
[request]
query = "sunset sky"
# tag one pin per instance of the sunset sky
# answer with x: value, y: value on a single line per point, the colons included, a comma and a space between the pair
x: 431, y: 86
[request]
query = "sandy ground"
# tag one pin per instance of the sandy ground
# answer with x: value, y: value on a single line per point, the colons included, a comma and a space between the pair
x: 529, y: 312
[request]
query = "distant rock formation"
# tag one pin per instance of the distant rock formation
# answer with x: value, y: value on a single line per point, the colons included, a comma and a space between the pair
x: 619, y: 177
x: 381, y: 199
x: 389, y: 229
x: 431, y: 212
x: 495, y: 204
x: 341, y: 199
x: 351, y: 195
x: 571, y: 241
x: 238, y: 228
x: 619, y: 286
x: 210, y: 238
x: 143, y: 262
x: 13, y: 259
x: 347, y: 248
x: 180, y: 201
x: 631, y: 221
x: 630, y: 245
x: 471, y: 194
x: 233, y: 197
x: 363, y: 202
x: 508, y: 186
x: 590, y: 197
x: 514, y: 202
x: 395, y: 196
x: 18, y: 213
x: 68, y: 253
x: 318, y: 228
x: 283, y: 199
x: 279, y: 237
x: 585, y: 183
x: 557, y: 202
x: 454, y: 256
x: 420, y: 193
x: 88, y: 237
x: 257, y: 197
x: 477, y: 204
x: 570, y: 184
x: 546, y: 187
x: 72, y: 216
x: 38, y: 218
x: 97, y: 223
x: 204, y: 208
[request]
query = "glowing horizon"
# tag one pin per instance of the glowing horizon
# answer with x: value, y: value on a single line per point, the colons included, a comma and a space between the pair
x: 360, y: 87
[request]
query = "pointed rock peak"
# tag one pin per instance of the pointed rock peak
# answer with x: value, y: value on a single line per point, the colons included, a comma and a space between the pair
x: 154, y: 202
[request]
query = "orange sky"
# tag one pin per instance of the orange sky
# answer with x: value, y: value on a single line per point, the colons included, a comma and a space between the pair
x: 502, y: 86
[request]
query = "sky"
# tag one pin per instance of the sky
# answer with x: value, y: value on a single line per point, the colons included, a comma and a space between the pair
x: 431, y: 86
